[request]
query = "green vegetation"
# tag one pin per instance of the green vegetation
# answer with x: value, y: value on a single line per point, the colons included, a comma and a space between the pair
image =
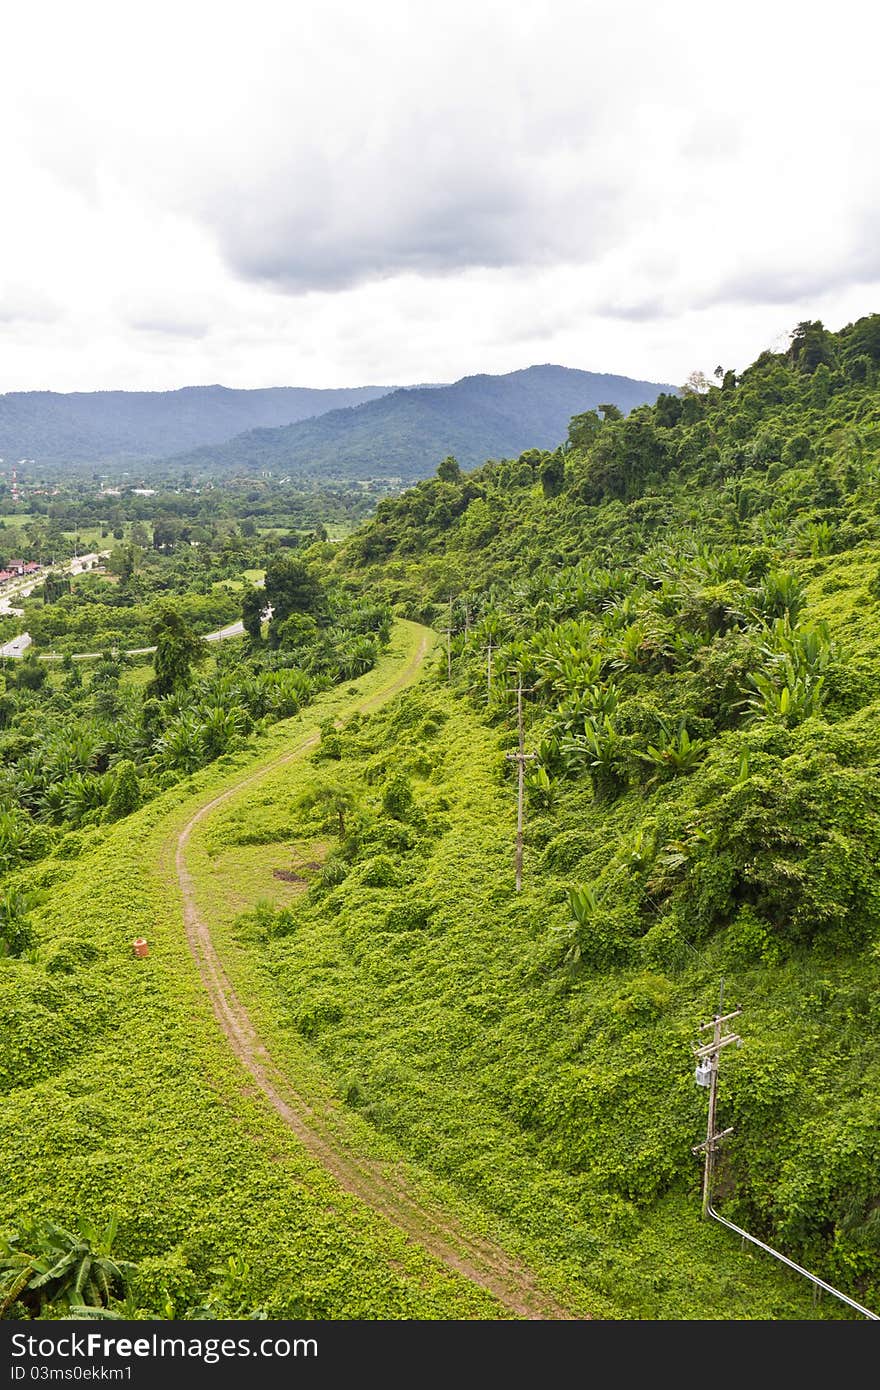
x: 561, y: 1108
x: 405, y: 434
x: 693, y: 611
x: 689, y: 597
x: 217, y: 1205
x: 89, y: 743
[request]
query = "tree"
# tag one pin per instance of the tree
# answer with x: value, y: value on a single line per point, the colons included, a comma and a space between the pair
x: 166, y: 531
x: 296, y: 632
x: 178, y: 649
x: 291, y: 587
x: 553, y: 475
x: 334, y: 798
x: 31, y: 673
x: 252, y: 605
x: 667, y: 410
x: 582, y: 429
x: 864, y: 338
x: 449, y: 471
x: 123, y: 561
x: 54, y: 585
x: 697, y: 384
x: 609, y: 411
x: 810, y: 346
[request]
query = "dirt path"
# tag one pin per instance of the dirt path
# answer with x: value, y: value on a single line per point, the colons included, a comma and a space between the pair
x: 310, y: 1119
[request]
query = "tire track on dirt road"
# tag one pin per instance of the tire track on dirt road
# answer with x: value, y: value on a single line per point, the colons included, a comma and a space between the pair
x: 382, y: 1186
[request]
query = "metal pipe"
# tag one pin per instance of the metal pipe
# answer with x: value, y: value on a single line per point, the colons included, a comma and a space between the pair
x: 768, y: 1250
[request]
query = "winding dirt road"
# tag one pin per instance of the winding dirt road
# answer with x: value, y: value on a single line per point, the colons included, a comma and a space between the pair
x: 310, y: 1119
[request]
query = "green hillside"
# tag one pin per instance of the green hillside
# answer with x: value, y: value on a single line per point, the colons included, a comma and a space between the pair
x: 689, y: 599
x: 406, y: 433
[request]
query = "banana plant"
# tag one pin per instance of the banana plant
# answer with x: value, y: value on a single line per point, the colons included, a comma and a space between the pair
x: 674, y: 753
x: 599, y: 749
x: 541, y: 788
x: 802, y: 647
x: 791, y: 699
x: 780, y: 593
x: 583, y: 903
x: 45, y: 1264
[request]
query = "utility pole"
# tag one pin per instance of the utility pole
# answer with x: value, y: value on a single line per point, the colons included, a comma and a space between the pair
x: 520, y: 757
x: 448, y: 631
x: 706, y: 1074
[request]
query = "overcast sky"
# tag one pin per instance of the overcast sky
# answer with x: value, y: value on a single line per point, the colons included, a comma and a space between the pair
x: 337, y: 193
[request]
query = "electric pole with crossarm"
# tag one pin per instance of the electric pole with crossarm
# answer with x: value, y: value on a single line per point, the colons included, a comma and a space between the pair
x: 706, y: 1074
x: 448, y: 631
x: 520, y: 757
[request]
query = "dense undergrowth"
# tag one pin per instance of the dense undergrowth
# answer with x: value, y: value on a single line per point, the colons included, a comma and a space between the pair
x: 85, y: 744
x: 120, y: 1096
x: 689, y: 598
x: 560, y: 1100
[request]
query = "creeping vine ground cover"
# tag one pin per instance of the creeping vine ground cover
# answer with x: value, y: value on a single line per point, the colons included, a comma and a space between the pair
x: 120, y: 1095
x: 690, y: 599
x: 562, y: 1110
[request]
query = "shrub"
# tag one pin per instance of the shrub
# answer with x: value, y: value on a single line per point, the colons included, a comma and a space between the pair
x: 397, y: 798
x: 126, y: 794
x: 409, y: 916
x: 379, y: 872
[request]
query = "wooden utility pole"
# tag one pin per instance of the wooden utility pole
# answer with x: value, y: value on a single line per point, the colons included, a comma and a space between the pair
x: 707, y: 1074
x: 448, y: 631
x: 520, y: 757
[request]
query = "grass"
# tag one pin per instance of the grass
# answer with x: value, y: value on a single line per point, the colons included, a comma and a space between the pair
x: 89, y: 538
x: 448, y: 1048
x: 240, y: 879
x: 121, y: 1094
x: 552, y: 1113
x: 138, y: 674
x: 251, y: 576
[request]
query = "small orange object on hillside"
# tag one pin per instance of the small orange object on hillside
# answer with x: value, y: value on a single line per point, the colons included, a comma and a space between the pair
x: 140, y: 946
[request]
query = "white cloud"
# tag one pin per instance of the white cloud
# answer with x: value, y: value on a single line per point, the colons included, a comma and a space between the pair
x: 327, y: 194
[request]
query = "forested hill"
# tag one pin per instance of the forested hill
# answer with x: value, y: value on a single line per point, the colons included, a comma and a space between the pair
x: 406, y: 433
x: 85, y: 427
x: 690, y: 599
x: 779, y: 456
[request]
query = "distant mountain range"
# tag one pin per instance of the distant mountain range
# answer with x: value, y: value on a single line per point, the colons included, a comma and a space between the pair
x: 346, y: 433
x: 405, y: 433
x: 137, y: 426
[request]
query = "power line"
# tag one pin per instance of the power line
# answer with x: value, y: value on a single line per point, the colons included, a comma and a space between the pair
x: 706, y: 1074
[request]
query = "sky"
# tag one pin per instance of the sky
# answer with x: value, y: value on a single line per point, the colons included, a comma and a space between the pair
x: 339, y: 194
